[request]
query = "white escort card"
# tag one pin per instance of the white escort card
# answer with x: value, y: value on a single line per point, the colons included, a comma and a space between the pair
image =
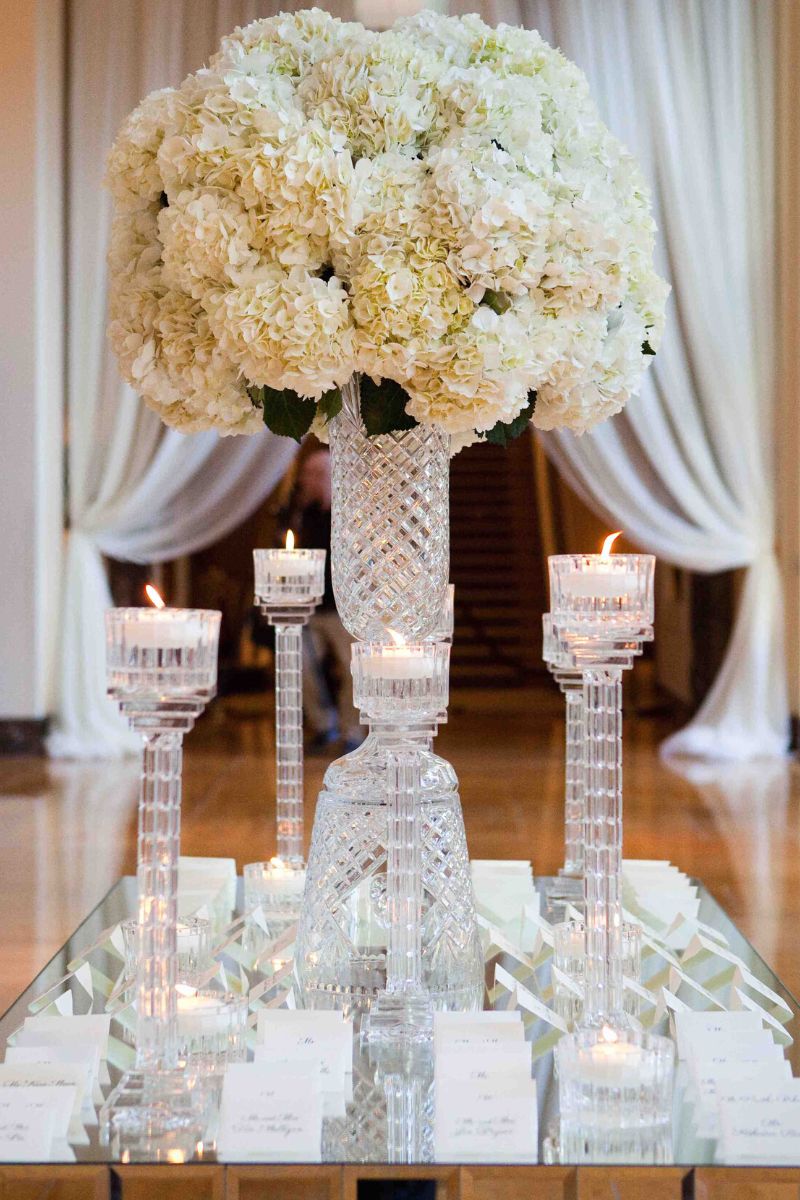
x: 26, y: 1127
x: 94, y: 1028
x: 692, y: 1027
x: 270, y: 1115
x: 490, y: 1121
x: 485, y: 1108
x: 323, y: 1039
x: 64, y: 1080
x: 708, y: 1080
x: 759, y: 1125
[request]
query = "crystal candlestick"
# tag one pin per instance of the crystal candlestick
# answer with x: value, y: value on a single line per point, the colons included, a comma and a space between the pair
x: 602, y: 611
x: 567, y: 887
x: 289, y: 584
x: 162, y: 670
x: 403, y: 689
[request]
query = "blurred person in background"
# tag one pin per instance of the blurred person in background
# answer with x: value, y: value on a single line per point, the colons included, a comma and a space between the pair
x: 327, y: 684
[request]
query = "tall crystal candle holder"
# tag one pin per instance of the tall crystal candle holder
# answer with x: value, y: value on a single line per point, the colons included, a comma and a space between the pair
x: 162, y: 671
x: 567, y: 887
x: 289, y: 584
x: 602, y: 610
x: 402, y: 691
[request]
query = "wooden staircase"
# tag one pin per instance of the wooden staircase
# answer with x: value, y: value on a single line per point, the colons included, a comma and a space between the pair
x: 496, y: 565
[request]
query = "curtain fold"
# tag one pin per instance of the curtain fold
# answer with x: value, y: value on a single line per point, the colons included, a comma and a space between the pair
x: 137, y: 491
x: 687, y: 470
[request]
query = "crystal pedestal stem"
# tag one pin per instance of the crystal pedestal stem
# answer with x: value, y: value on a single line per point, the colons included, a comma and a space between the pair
x: 404, y: 874
x: 289, y: 742
x: 574, y: 801
x: 157, y: 876
x: 602, y: 703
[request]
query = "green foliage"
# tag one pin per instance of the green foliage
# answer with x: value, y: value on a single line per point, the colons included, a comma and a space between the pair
x: 383, y: 407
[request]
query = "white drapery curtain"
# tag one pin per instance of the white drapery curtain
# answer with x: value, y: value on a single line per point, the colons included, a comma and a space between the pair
x: 136, y: 491
x: 687, y: 470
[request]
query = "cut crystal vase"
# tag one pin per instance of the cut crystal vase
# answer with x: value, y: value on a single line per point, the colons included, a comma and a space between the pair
x: 388, y: 833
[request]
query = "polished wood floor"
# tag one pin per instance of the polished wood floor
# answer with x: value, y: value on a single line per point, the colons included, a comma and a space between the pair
x: 68, y: 829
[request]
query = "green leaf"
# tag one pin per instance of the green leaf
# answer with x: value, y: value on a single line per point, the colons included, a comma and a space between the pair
x: 285, y: 413
x: 647, y: 348
x: 383, y: 407
x: 330, y: 404
x: 498, y: 302
x: 505, y: 431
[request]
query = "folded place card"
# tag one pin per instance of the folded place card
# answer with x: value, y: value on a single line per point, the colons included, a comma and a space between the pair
x: 707, y: 1080
x: 304, y: 1036
x: 94, y: 1028
x: 760, y: 1126
x: 26, y: 1127
x: 477, y: 1064
x: 83, y: 1054
x: 67, y: 1078
x: 725, y: 1045
x: 492, y: 1121
x: 692, y: 1026
x: 270, y: 1115
x: 478, y: 1032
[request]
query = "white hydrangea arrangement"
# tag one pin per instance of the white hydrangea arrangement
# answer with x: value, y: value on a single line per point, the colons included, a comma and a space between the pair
x: 437, y: 208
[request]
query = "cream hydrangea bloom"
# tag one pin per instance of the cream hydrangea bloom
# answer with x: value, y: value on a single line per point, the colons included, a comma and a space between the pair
x: 439, y: 205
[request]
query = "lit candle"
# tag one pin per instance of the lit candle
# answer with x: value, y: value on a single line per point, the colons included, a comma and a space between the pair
x: 612, y: 1061
x: 161, y: 628
x: 276, y: 566
x: 399, y: 661
x: 603, y: 576
x: 200, y: 1015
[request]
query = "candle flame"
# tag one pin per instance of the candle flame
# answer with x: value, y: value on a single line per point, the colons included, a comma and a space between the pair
x: 184, y: 989
x: 396, y: 637
x: 608, y: 543
x: 154, y: 596
x: 608, y: 1034
x: 289, y: 540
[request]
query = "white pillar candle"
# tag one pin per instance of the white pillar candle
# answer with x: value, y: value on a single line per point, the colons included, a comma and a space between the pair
x: 615, y: 1063
x: 162, y: 629
x: 201, y: 1016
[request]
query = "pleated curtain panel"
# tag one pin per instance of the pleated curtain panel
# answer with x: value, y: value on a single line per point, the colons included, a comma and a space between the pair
x: 687, y: 470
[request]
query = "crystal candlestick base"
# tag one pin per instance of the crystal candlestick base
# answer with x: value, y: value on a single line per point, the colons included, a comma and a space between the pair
x: 567, y: 887
x: 162, y: 670
x: 388, y: 919
x: 289, y: 584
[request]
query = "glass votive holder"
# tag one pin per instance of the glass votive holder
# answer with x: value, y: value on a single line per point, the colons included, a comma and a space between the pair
x: 194, y: 948
x: 615, y: 1096
x: 569, y: 957
x: 212, y: 1027
x: 273, y: 887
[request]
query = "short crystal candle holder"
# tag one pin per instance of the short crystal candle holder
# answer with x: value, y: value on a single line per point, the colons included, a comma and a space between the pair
x: 193, y: 956
x: 615, y: 1095
x: 287, y: 579
x: 404, y: 684
x: 569, y: 959
x: 212, y: 1028
x: 590, y: 594
x: 162, y: 670
x: 289, y: 584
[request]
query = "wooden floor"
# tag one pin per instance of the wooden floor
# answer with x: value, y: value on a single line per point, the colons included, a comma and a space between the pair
x: 68, y: 829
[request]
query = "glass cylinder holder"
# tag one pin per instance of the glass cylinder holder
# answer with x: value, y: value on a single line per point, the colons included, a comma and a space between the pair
x: 567, y: 886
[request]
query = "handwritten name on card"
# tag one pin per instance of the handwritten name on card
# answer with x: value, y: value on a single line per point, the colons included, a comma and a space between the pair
x: 494, y: 1122
x: 760, y: 1127
x: 270, y: 1116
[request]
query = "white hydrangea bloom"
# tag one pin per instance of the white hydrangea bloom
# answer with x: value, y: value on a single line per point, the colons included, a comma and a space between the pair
x: 288, y: 329
x: 438, y: 204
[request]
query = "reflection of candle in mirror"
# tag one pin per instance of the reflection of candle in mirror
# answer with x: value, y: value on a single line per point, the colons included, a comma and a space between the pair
x: 399, y: 661
x: 161, y: 628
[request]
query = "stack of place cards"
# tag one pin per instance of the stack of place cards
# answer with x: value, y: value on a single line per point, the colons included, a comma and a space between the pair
x: 285, y: 1037
x: 486, y: 1108
x: 272, y: 1108
x: 728, y: 1060
x: 68, y: 1039
x: 505, y: 896
x: 658, y: 892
